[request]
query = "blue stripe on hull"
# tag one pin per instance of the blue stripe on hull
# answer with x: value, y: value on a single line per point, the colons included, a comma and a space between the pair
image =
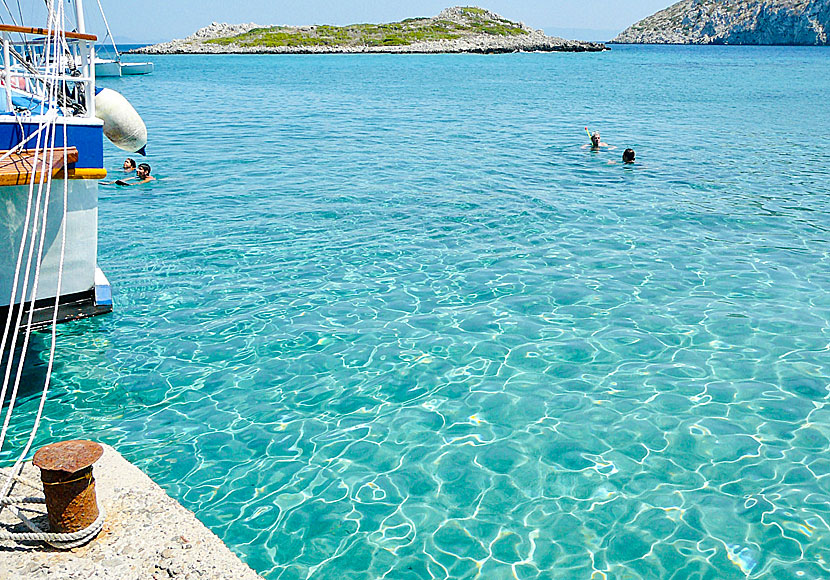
x: 88, y: 139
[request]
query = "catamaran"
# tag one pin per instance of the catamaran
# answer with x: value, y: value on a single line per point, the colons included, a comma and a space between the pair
x: 115, y: 67
x: 109, y: 67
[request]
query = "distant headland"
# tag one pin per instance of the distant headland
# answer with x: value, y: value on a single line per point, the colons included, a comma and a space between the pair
x: 454, y: 30
x: 781, y: 22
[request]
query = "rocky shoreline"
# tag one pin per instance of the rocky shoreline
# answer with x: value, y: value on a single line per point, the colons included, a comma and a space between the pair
x: 529, y: 40
x: 754, y: 22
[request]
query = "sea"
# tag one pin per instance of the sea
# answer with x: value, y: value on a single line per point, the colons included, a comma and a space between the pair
x: 386, y: 316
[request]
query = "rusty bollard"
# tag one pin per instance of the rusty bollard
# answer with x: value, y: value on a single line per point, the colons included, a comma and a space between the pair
x: 66, y: 473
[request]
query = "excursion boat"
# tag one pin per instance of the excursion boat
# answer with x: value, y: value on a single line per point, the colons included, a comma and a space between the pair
x: 52, y: 124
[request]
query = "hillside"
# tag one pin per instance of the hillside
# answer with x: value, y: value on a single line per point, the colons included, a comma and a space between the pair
x: 459, y: 29
x: 791, y: 22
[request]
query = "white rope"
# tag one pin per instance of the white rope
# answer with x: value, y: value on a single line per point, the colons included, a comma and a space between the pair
x: 13, y: 297
x: 18, y: 321
x: 20, y: 253
x: 56, y: 308
x: 15, y: 282
x: 37, y: 232
x: 12, y: 500
x: 20, y: 145
x: 62, y: 540
x: 38, y: 237
x: 47, y: 123
x: 50, y: 364
x: 22, y: 480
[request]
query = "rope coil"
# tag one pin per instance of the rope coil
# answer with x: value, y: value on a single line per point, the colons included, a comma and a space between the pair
x: 62, y: 540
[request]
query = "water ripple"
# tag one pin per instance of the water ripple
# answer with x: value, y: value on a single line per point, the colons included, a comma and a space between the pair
x: 384, y: 318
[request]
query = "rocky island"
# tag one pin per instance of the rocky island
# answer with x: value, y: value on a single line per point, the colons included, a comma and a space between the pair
x: 787, y: 22
x: 459, y: 29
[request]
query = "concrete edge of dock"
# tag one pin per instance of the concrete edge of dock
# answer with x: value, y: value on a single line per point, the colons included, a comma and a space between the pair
x: 147, y: 535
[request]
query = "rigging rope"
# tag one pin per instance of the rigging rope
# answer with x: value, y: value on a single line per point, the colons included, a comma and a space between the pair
x: 11, y: 15
x: 48, y: 123
x: 109, y: 33
x: 53, y: 68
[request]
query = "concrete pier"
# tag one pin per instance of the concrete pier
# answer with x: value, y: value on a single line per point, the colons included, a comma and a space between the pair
x: 147, y: 536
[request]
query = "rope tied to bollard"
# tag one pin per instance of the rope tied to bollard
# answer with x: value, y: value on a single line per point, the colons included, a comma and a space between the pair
x: 21, y: 500
x: 20, y: 479
x: 61, y: 540
x: 70, y: 503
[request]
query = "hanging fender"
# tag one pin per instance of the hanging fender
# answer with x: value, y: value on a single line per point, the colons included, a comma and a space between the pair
x: 122, y: 124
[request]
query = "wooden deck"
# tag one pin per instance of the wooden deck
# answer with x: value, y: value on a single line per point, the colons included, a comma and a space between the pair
x: 16, y: 169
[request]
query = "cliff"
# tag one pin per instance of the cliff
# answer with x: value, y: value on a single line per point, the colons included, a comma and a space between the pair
x: 459, y: 29
x: 796, y: 22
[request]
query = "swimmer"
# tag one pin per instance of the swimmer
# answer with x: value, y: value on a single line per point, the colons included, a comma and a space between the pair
x: 129, y: 165
x: 142, y: 174
x: 628, y: 156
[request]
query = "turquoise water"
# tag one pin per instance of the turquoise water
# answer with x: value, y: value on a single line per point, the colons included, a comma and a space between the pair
x: 384, y: 316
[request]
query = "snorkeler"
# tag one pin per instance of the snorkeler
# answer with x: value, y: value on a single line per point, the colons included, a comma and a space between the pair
x: 596, y: 141
x: 628, y: 156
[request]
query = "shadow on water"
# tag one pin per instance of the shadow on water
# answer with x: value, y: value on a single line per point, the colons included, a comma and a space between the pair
x: 35, y: 361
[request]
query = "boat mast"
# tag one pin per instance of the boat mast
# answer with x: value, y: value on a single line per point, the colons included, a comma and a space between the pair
x: 87, y: 60
x: 79, y: 16
x: 7, y: 68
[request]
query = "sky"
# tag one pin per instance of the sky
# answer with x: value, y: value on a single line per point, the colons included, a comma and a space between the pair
x: 159, y: 20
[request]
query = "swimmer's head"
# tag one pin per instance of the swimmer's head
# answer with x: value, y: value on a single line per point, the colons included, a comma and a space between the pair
x: 129, y: 164
x: 595, y: 140
x: 143, y: 170
x: 628, y: 156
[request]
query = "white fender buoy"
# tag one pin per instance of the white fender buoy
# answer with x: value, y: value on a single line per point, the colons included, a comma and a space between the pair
x: 122, y: 124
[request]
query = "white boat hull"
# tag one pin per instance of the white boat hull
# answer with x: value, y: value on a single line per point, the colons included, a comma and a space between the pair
x: 136, y: 68
x: 107, y: 68
x: 81, y: 252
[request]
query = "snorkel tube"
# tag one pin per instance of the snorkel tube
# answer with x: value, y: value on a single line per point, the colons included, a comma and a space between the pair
x: 587, y: 131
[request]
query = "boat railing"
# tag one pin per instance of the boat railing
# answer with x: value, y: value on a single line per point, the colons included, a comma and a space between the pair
x: 76, y: 67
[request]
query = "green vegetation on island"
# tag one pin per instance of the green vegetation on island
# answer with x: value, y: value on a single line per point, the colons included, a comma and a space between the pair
x: 457, y: 29
x: 467, y: 21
